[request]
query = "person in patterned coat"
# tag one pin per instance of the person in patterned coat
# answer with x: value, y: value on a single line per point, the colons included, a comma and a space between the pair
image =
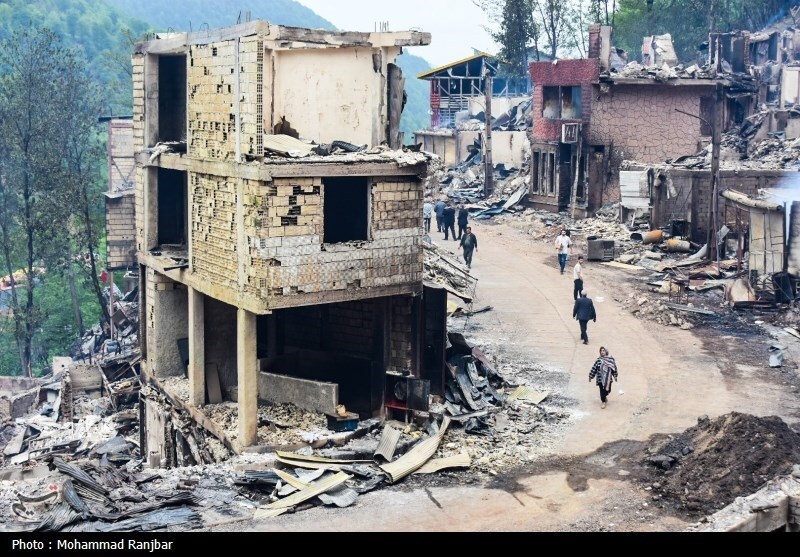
x: 604, y: 372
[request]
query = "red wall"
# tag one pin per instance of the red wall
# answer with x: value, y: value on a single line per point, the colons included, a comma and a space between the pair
x: 568, y: 73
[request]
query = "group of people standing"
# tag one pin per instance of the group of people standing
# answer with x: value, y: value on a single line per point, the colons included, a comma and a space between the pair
x: 604, y: 371
x: 446, y: 218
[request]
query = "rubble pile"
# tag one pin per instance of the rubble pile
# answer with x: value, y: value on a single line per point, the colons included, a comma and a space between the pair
x: 709, y: 465
x: 442, y: 269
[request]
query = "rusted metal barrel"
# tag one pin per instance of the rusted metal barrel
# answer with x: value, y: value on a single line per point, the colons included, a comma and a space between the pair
x: 678, y: 245
x: 653, y: 237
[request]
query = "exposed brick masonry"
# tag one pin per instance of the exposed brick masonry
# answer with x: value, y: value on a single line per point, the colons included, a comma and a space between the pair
x: 565, y: 73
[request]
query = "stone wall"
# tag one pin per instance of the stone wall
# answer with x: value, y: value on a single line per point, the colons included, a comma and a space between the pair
x: 642, y: 122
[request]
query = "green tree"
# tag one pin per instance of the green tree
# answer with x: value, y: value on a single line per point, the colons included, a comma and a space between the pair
x: 44, y: 110
x: 689, y: 21
x: 518, y: 31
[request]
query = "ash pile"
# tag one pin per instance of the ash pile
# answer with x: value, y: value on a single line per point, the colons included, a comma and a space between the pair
x: 710, y: 465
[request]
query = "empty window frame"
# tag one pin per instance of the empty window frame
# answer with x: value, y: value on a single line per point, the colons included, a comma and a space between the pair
x: 551, y: 105
x: 535, y: 172
x: 551, y: 173
x: 173, y: 201
x: 172, y: 91
x: 346, y: 210
x: 571, y: 103
x: 562, y: 103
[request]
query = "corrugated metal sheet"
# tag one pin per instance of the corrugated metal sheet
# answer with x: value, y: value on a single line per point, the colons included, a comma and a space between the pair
x: 631, y: 194
x: 417, y: 456
x: 286, y: 145
x: 309, y: 464
x: 341, y: 498
x: 312, y: 458
x: 315, y: 489
x: 388, y: 443
x: 526, y: 393
x: 291, y: 480
x: 461, y: 460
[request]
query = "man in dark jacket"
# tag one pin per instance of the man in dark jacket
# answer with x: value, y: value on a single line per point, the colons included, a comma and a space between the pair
x: 449, y: 215
x: 469, y: 243
x: 583, y: 312
x: 438, y: 210
x: 463, y: 220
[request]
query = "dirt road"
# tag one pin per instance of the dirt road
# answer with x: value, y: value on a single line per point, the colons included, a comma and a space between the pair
x: 669, y: 376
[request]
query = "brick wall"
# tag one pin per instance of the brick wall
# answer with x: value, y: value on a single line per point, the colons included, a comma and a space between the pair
x: 345, y: 328
x: 120, y: 153
x: 401, y: 341
x: 747, y: 182
x: 642, y: 122
x: 213, y: 228
x: 138, y: 144
x: 287, y: 262
x: 139, y: 207
x: 121, y: 231
x: 566, y: 73
x: 212, y: 98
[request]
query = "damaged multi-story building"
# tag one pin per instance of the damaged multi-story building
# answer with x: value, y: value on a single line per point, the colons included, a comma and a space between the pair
x: 458, y: 93
x: 273, y: 269
x: 591, y: 114
x: 120, y: 199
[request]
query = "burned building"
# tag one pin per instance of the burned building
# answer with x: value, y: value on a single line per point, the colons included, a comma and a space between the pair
x: 274, y: 269
x: 458, y: 111
x: 590, y: 114
x: 120, y: 204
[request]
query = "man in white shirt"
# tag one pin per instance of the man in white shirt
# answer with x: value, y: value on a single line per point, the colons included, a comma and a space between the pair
x: 577, y: 275
x: 563, y: 248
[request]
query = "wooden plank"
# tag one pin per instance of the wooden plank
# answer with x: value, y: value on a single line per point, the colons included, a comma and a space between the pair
x: 198, y: 417
x: 107, y: 385
x: 212, y: 384
x: 618, y: 265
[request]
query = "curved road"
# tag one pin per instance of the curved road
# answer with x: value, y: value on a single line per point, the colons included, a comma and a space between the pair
x: 668, y: 380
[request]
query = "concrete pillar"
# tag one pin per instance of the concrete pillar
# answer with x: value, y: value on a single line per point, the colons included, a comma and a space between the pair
x: 197, y: 348
x: 247, y: 372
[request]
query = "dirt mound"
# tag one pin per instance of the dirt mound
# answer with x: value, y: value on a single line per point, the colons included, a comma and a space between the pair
x: 706, y: 467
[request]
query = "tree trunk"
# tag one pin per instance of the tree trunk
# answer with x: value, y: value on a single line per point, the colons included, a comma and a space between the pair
x: 98, y: 290
x: 73, y: 290
x: 27, y: 353
x: 14, y: 295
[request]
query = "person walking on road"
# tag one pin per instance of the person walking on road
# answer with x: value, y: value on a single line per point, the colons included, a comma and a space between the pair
x: 584, y: 312
x: 463, y: 220
x: 577, y: 275
x: 604, y: 372
x: 469, y: 242
x: 563, y: 248
x: 427, y: 215
x: 438, y: 209
x: 449, y: 215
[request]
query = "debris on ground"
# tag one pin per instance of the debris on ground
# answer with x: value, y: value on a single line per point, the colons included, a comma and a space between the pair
x: 709, y: 465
